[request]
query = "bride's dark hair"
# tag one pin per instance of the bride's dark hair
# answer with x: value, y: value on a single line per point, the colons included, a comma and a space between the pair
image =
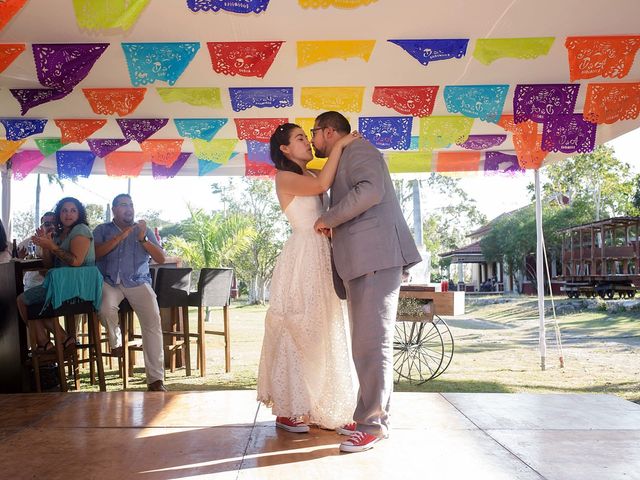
x: 278, y: 138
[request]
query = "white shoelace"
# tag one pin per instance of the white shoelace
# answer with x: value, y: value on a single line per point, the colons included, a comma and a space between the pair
x: 356, y: 437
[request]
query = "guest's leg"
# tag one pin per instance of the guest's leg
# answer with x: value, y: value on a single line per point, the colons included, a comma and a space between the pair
x: 52, y: 325
x: 373, y: 303
x: 144, y: 303
x: 108, y: 314
x: 22, y: 307
x: 42, y: 337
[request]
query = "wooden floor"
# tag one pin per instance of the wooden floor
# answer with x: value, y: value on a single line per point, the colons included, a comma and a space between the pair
x: 225, y: 434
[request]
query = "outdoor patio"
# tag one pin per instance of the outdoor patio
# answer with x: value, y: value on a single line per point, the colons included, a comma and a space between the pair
x: 227, y: 435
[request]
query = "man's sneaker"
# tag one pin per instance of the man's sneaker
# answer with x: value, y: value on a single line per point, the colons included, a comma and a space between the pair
x: 291, y: 424
x: 359, y: 442
x: 347, y: 429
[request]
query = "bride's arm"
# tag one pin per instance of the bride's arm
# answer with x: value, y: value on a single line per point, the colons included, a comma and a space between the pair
x: 294, y: 184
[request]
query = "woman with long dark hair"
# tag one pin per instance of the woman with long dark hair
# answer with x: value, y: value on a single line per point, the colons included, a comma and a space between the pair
x: 71, y: 245
x: 305, y: 367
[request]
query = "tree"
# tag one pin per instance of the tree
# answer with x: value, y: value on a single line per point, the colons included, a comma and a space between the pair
x: 597, y: 185
x: 598, y: 179
x: 95, y: 214
x: 210, y: 239
x: 513, y: 236
x: 444, y: 228
x: 152, y: 217
x: 51, y: 178
x: 256, y: 199
x: 22, y: 225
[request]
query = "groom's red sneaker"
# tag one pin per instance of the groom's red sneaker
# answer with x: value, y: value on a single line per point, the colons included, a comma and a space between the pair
x: 347, y: 429
x: 359, y: 442
x: 291, y: 424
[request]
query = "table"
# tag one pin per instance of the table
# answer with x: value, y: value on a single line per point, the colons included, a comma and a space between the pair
x: 14, y: 376
x: 445, y: 303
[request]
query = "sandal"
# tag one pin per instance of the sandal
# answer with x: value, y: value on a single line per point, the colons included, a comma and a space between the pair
x: 69, y: 342
x: 45, y: 348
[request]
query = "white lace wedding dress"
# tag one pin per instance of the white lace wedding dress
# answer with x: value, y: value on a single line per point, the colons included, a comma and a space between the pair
x: 305, y: 365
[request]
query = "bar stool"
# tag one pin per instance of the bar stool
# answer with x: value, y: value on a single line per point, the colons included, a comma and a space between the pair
x: 214, y: 290
x: 70, y: 291
x: 172, y: 287
x: 131, y: 343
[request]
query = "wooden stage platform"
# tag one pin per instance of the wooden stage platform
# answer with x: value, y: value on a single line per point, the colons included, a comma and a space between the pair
x: 225, y: 434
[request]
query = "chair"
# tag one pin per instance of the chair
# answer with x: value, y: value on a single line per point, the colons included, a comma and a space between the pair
x: 172, y: 287
x: 70, y: 291
x: 214, y: 288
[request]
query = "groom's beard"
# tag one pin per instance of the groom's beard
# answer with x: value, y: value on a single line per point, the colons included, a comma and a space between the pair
x: 319, y: 153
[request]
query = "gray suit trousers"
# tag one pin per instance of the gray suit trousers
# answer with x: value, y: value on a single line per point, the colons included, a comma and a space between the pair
x: 373, y: 303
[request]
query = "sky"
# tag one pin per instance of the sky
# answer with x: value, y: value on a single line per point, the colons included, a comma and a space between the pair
x: 493, y: 194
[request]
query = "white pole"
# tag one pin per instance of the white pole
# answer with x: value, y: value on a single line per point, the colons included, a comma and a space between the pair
x: 6, y: 202
x: 540, y: 271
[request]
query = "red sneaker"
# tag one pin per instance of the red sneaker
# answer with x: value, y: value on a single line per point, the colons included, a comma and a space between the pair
x: 347, y: 429
x: 292, y: 424
x: 359, y: 442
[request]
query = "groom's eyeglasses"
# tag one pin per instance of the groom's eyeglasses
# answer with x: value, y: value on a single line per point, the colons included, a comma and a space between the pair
x: 314, y: 130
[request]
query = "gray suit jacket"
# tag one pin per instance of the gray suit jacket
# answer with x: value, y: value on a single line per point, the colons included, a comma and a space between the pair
x: 369, y: 229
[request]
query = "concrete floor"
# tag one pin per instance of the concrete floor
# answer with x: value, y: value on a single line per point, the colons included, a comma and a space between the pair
x: 225, y: 434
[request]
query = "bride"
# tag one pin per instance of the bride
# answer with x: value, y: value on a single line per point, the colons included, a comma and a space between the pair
x: 305, y: 372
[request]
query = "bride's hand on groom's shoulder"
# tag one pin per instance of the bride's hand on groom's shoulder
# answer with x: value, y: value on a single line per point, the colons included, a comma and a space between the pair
x: 347, y: 139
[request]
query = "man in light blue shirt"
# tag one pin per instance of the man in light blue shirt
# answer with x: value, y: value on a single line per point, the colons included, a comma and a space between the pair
x: 123, y: 249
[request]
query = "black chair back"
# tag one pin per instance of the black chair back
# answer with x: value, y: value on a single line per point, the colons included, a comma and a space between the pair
x: 214, y: 287
x: 172, y: 287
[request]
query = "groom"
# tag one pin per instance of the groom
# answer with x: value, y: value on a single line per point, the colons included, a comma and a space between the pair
x: 372, y: 246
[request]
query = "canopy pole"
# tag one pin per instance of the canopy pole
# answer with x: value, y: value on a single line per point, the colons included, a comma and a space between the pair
x: 540, y: 271
x: 6, y: 200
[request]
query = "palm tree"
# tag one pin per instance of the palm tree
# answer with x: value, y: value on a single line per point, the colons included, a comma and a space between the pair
x: 51, y: 178
x: 211, y: 239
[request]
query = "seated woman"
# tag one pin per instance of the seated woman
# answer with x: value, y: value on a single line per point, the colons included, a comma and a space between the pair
x: 71, y: 245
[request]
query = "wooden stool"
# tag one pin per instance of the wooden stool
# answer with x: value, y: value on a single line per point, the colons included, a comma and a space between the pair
x: 67, y: 310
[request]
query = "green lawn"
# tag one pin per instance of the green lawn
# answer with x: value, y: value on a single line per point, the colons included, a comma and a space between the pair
x: 496, y: 350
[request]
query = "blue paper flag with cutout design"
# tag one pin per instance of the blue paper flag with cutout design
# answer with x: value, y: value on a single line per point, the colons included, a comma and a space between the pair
x: 235, y: 6
x: 149, y: 62
x: 431, y: 50
x: 74, y: 163
x: 258, y: 152
x: 387, y: 132
x: 202, y: 128
x: 19, y: 128
x: 260, y: 97
x: 476, y: 101
x: 205, y: 166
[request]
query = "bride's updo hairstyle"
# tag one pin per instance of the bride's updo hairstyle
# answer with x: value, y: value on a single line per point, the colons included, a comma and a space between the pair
x: 278, y: 138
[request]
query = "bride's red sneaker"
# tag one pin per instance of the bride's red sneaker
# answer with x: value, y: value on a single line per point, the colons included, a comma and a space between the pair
x: 292, y: 424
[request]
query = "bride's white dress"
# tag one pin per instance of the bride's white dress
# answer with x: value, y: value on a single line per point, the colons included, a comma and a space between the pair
x: 305, y: 365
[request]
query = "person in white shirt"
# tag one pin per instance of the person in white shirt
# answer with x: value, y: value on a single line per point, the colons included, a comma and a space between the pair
x: 33, y: 278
